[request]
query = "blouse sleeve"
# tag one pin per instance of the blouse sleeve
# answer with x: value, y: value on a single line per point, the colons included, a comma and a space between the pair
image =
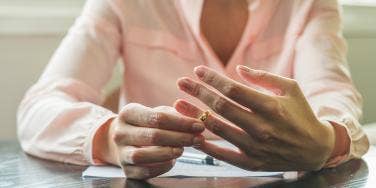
x: 59, y: 115
x: 322, y: 72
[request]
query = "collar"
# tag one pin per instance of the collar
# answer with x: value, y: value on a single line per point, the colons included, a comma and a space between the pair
x: 260, y: 13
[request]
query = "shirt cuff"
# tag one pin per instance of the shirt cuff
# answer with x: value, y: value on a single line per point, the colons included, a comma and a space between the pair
x: 342, y: 144
x: 102, y: 116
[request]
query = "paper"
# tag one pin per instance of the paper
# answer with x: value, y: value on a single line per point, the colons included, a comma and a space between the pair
x: 185, y: 169
x: 182, y: 169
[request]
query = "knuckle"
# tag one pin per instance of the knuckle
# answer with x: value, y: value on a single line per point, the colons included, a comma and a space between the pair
x: 184, y: 140
x: 219, y: 104
x: 215, y: 128
x: 275, y: 107
x: 134, y: 157
x: 147, y: 135
x: 196, y: 90
x: 155, y: 137
x: 209, y: 78
x: 293, y: 85
x: 156, y: 119
x: 117, y: 136
x: 271, y: 105
x: 127, y: 108
x: 169, y: 153
x: 232, y: 90
x: 264, y: 135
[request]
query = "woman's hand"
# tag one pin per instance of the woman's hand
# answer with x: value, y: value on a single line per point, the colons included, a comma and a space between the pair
x: 145, y: 142
x: 274, y: 132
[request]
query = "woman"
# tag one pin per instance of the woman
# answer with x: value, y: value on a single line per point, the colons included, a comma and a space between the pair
x: 275, y: 75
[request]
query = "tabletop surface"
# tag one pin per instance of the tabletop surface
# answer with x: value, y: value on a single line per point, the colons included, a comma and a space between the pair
x: 20, y: 170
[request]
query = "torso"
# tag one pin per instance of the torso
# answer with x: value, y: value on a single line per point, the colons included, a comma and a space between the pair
x: 223, y: 23
x: 163, y: 41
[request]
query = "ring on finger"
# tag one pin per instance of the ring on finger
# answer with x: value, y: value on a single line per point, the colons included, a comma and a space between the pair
x: 204, y: 116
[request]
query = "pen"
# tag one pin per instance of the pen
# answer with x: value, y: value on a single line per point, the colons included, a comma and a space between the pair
x: 200, y: 159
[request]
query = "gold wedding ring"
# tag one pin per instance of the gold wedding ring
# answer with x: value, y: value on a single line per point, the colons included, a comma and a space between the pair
x: 204, y: 116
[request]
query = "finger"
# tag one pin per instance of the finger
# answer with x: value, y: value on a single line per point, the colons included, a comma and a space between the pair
x: 194, y: 114
x: 254, y: 144
x: 218, y: 126
x: 151, y: 154
x: 234, y: 157
x: 241, y: 117
x: 139, y: 115
x: 147, y: 171
x: 187, y: 108
x: 141, y: 136
x: 278, y: 84
x: 236, y: 91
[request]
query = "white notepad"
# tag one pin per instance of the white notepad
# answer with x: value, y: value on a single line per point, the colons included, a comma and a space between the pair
x: 190, y: 170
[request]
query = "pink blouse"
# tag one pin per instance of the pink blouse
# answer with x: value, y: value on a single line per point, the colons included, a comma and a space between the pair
x: 160, y: 41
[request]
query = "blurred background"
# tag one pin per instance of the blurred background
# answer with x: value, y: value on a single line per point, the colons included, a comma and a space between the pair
x: 30, y: 31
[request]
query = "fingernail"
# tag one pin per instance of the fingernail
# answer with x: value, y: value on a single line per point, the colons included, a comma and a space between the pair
x: 199, y: 71
x: 197, y: 140
x: 177, y: 151
x: 243, y: 68
x: 186, y: 84
x: 198, y: 127
x: 248, y: 70
x: 182, y: 104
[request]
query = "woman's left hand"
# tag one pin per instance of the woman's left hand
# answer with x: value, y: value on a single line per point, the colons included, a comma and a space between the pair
x: 273, y: 132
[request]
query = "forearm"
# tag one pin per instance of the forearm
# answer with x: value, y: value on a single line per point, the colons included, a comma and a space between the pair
x: 54, y: 125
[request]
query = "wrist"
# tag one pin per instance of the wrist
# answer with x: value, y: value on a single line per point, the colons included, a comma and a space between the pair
x: 328, y: 140
x: 341, y: 145
x: 103, y: 145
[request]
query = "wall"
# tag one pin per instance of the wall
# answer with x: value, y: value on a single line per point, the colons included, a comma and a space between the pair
x: 29, y: 33
x: 360, y: 32
x: 31, y: 30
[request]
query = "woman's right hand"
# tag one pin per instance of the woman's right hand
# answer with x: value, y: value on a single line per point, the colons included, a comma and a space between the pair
x: 146, y: 141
